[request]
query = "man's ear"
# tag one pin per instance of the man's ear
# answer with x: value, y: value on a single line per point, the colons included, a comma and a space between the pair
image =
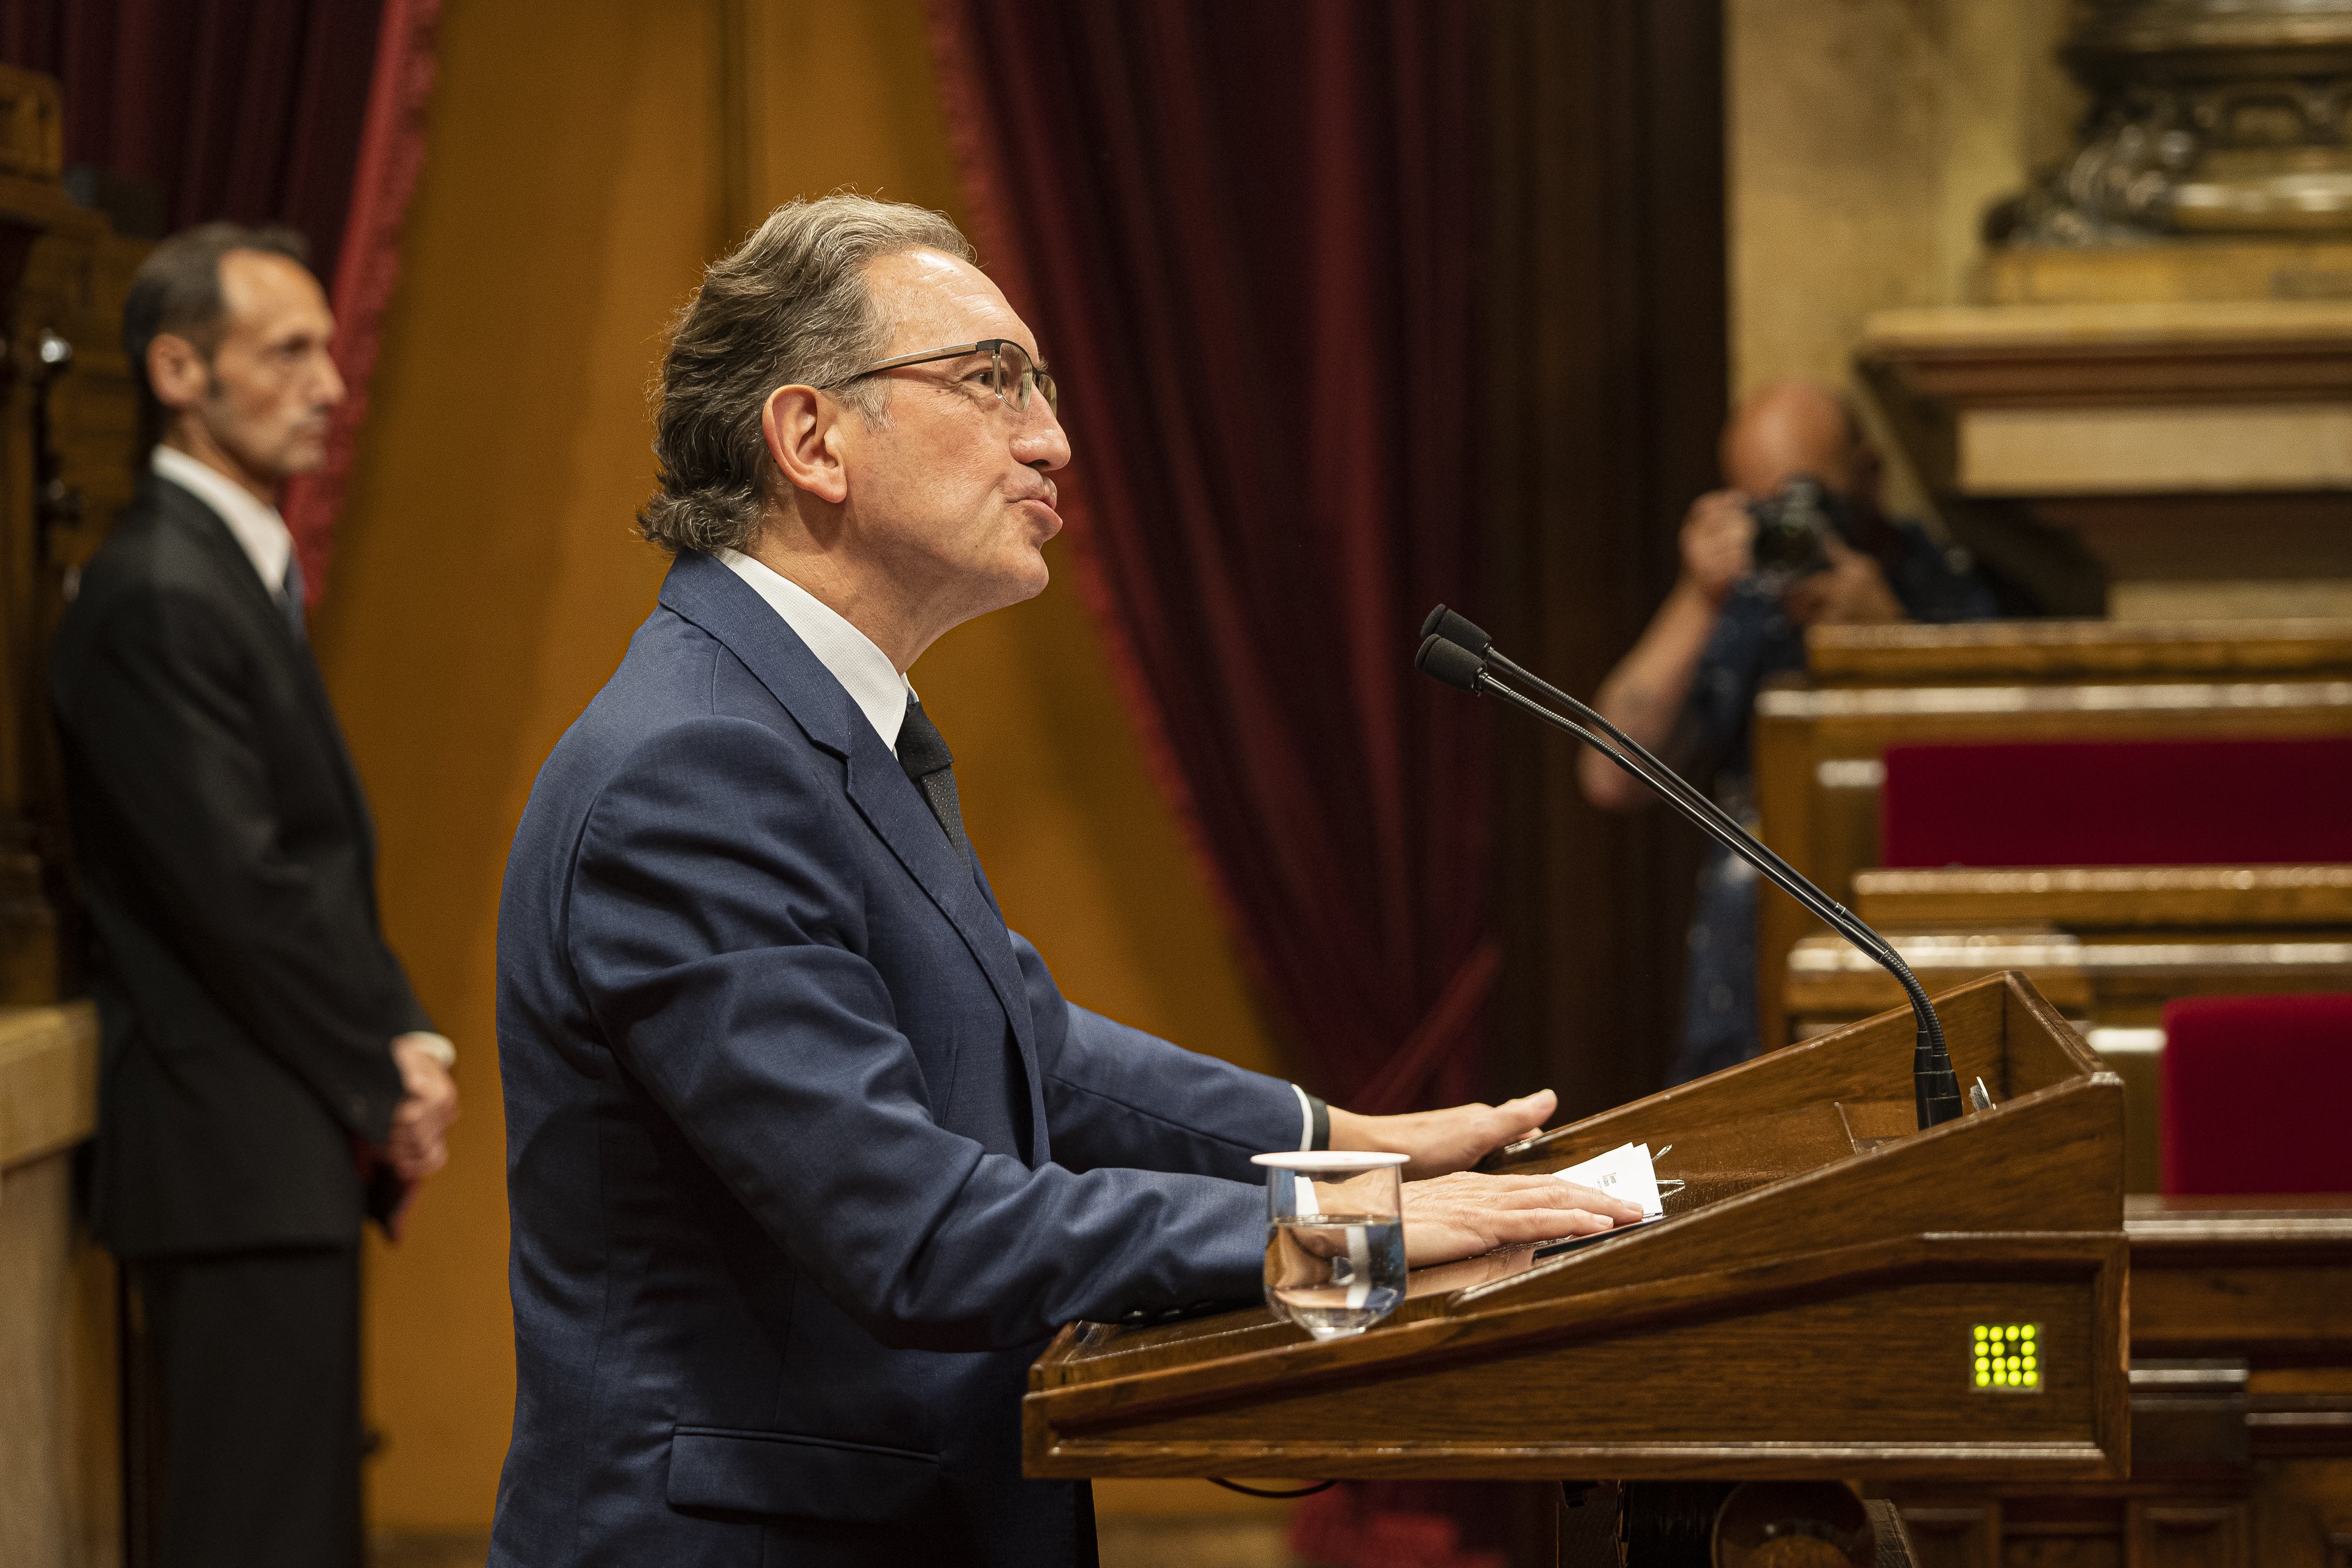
x: 802, y: 428
x: 176, y: 371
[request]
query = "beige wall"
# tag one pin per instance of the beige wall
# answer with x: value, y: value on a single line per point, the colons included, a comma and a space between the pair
x: 1867, y: 138
x: 486, y: 582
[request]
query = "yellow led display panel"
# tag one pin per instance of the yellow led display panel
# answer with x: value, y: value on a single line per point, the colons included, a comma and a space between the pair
x: 2005, y: 1358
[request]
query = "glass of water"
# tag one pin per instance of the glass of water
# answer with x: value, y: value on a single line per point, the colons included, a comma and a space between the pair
x: 1334, y: 1238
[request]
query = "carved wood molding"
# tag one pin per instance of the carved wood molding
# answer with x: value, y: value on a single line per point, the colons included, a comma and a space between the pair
x: 2109, y: 897
x: 1912, y: 653
x: 2147, y: 698
x: 2135, y: 355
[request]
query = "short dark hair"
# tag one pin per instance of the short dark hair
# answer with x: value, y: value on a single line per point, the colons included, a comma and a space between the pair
x: 789, y: 306
x: 177, y: 289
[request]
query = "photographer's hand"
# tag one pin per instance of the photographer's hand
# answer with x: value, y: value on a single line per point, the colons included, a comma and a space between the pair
x: 1644, y: 694
x: 1853, y: 591
x: 1718, y: 544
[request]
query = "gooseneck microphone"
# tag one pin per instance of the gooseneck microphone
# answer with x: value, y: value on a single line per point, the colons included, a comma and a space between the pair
x: 1455, y: 651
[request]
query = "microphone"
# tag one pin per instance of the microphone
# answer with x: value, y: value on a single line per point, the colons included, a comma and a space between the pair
x: 1456, y: 650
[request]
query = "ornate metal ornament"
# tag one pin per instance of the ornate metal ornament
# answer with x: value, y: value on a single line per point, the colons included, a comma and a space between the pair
x: 2220, y: 117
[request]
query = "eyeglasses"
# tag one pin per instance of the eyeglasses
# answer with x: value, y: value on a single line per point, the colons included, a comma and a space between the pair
x: 1010, y: 371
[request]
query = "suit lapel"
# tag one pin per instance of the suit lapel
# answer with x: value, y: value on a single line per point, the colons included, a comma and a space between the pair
x: 707, y: 594
x: 266, y: 621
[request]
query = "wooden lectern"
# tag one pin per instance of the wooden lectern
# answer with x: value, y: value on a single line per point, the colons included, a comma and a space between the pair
x: 1810, y: 1306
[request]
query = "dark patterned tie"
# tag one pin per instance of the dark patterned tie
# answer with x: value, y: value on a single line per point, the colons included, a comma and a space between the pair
x: 289, y: 596
x: 923, y: 753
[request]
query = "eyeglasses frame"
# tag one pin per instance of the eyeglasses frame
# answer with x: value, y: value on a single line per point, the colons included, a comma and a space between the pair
x: 1040, y: 376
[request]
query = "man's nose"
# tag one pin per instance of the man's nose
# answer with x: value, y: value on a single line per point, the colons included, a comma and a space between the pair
x: 330, y: 381
x: 1043, y: 444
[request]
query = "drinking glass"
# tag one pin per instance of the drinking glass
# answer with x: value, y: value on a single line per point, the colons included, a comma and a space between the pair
x: 1334, y: 1238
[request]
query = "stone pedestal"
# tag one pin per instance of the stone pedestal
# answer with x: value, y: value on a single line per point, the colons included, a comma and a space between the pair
x: 2199, y: 452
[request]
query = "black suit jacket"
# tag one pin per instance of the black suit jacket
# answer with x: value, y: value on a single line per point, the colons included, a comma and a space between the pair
x: 246, y: 995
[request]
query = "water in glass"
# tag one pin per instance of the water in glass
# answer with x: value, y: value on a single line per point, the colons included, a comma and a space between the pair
x: 1335, y: 1274
x: 1334, y: 1237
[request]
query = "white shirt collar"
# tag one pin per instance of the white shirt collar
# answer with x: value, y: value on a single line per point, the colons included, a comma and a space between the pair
x: 259, y: 532
x: 874, y: 683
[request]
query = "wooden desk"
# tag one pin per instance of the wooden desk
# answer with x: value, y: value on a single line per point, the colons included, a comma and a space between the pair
x: 1821, y: 741
x: 2109, y: 946
x: 1804, y: 1310
x: 57, y: 1454
x: 2241, y: 1405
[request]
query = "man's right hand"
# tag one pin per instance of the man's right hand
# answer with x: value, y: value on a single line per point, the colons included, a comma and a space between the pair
x: 1466, y: 1214
x: 420, y: 1124
x: 1718, y: 544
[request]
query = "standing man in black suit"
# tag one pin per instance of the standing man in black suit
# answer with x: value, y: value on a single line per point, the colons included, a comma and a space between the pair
x: 268, y: 1077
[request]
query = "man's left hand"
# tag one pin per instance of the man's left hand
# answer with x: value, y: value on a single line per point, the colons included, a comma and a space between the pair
x: 1440, y: 1142
x: 1853, y: 591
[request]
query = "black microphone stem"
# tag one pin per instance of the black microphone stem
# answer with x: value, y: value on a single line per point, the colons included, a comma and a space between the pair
x: 1666, y: 782
x: 1936, y: 1089
x: 1705, y: 814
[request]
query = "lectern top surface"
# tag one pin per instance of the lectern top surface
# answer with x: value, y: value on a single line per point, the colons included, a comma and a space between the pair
x: 1810, y: 1152
x: 1819, y: 1299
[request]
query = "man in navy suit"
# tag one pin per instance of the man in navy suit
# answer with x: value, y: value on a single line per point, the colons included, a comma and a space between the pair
x: 808, y: 1156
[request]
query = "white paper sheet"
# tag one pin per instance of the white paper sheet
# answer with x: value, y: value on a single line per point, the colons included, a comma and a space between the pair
x: 1624, y: 1172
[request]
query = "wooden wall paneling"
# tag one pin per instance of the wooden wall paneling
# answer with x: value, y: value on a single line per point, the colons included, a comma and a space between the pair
x: 58, y: 1496
x: 1607, y: 379
x: 2302, y: 1514
x: 1954, y: 1533
x: 2191, y: 1535
x: 65, y: 452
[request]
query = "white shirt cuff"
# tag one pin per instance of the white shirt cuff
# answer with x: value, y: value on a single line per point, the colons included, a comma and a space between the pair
x: 1306, y: 1120
x: 436, y: 1046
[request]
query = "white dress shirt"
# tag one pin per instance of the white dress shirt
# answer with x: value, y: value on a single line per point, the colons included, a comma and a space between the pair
x: 874, y: 683
x: 262, y: 533
x: 259, y: 532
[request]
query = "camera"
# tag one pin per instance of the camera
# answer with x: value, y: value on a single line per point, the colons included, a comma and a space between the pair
x: 1791, y: 525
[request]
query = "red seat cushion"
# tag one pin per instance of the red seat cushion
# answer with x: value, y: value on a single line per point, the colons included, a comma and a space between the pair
x: 2157, y: 802
x: 2257, y: 1094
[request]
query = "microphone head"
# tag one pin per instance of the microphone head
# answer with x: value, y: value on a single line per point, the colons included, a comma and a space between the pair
x: 1456, y: 627
x: 1449, y: 662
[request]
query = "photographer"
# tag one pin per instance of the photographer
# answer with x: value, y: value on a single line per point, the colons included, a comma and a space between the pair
x: 1796, y: 541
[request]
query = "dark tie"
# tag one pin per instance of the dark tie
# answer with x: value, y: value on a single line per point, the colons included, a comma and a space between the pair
x: 923, y: 753
x: 289, y: 596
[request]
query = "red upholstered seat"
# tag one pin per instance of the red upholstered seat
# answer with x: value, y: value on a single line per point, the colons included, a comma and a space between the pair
x: 2165, y: 803
x: 2257, y: 1094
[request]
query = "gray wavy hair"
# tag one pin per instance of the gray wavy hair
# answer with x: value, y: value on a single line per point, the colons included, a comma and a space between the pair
x: 789, y: 307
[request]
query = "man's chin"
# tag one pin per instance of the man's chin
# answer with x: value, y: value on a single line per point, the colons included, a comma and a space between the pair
x: 302, y: 457
x: 1038, y: 575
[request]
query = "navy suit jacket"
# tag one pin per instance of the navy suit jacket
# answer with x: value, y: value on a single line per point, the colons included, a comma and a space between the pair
x: 807, y: 1156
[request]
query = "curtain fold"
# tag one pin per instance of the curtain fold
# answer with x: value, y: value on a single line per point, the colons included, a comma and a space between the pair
x: 249, y: 109
x: 367, y: 263
x: 305, y: 112
x: 1247, y: 238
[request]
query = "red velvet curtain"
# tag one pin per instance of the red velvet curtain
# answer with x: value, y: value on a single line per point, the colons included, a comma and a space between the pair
x: 1247, y: 238
x: 249, y: 109
x: 307, y: 113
